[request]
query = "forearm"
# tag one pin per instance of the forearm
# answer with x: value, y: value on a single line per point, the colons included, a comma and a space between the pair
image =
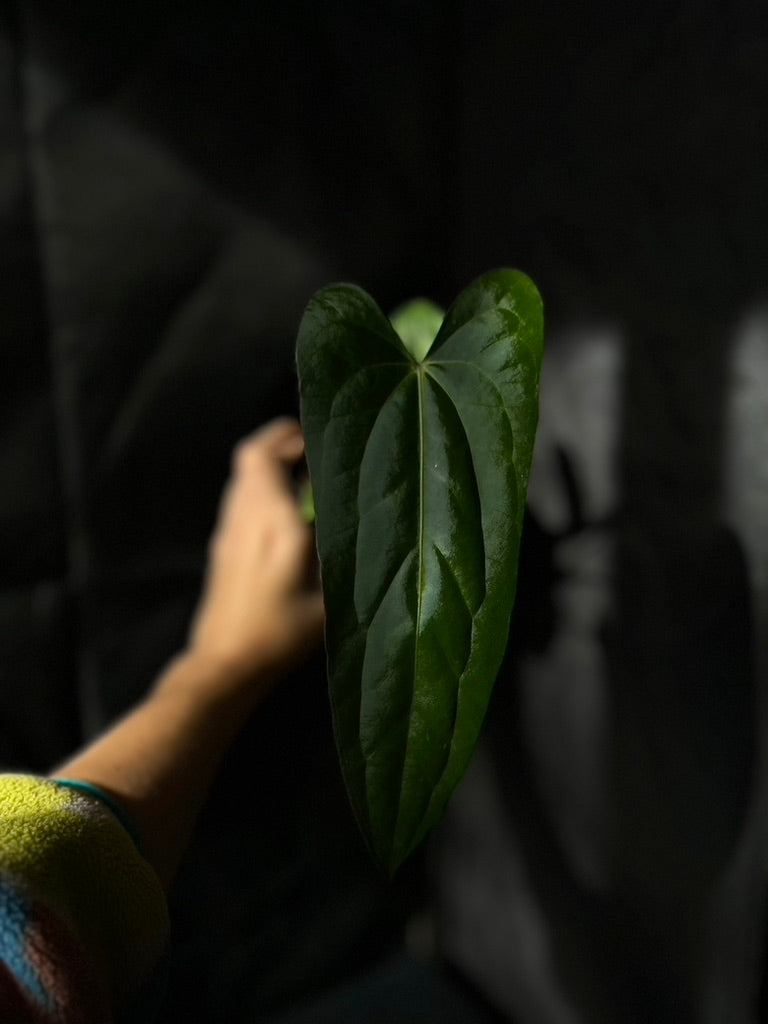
x: 159, y: 760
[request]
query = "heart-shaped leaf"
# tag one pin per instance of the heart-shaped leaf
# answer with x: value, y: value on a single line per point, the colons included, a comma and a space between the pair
x: 419, y: 457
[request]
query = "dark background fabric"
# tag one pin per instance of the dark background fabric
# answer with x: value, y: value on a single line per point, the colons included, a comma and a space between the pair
x: 176, y: 182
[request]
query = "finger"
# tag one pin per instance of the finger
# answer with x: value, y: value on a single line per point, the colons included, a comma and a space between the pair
x: 289, y: 449
x: 281, y: 436
x: 280, y: 441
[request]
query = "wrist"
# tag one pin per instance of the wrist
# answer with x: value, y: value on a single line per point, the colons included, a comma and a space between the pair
x: 213, y: 680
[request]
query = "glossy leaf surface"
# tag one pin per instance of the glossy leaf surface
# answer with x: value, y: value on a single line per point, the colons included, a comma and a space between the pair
x: 419, y: 465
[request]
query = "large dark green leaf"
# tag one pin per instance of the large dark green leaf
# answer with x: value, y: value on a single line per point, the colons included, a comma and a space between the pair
x: 419, y: 460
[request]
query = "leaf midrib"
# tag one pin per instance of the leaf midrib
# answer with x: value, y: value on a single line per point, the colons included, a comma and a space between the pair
x: 419, y: 370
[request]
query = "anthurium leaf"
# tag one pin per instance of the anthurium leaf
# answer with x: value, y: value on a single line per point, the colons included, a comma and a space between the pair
x: 419, y: 456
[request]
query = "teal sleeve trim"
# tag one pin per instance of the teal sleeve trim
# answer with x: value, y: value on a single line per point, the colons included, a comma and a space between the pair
x: 119, y: 812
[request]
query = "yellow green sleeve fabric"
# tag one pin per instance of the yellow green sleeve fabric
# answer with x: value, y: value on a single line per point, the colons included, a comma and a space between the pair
x: 83, y: 918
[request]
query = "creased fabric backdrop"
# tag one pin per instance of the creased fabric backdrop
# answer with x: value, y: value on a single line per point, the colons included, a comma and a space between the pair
x: 176, y: 181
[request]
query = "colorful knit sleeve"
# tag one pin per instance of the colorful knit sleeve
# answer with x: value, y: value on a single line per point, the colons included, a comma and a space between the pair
x: 83, y: 918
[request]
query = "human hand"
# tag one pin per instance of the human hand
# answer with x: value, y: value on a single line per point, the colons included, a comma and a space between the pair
x: 261, y: 611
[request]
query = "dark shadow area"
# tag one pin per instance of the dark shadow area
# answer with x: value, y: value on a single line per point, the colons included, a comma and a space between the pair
x: 177, y: 181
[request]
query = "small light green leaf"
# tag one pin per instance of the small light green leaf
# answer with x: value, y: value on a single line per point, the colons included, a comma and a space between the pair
x: 417, y: 323
x: 419, y: 449
x: 306, y: 502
